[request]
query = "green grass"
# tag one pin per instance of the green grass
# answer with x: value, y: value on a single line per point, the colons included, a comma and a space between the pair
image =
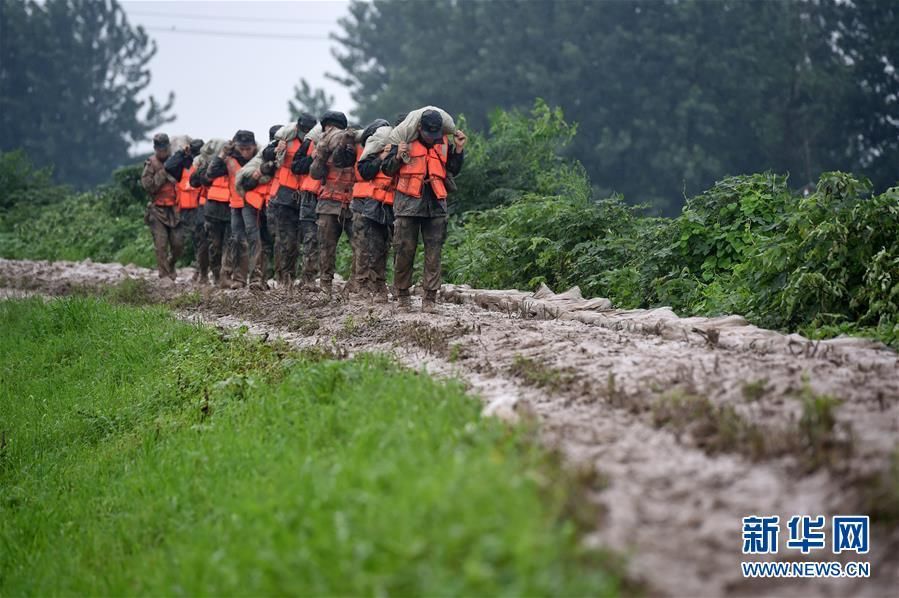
x: 142, y: 455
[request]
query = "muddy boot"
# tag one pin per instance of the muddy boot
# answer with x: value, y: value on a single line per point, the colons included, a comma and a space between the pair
x: 258, y: 286
x: 379, y: 296
x: 309, y: 284
x: 327, y: 290
x: 404, y: 301
x: 202, y: 281
x: 429, y: 303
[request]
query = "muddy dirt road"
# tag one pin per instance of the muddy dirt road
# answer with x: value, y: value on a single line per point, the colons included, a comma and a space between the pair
x: 682, y: 426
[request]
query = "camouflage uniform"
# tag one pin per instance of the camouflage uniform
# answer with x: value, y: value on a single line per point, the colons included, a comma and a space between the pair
x: 240, y: 258
x: 217, y: 216
x: 377, y: 228
x: 309, y: 237
x: 162, y: 219
x: 334, y: 218
x: 193, y: 224
x: 425, y: 217
x: 359, y: 242
x: 259, y: 243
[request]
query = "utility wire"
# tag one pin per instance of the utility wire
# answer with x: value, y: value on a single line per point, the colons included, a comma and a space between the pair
x: 140, y: 13
x: 271, y: 36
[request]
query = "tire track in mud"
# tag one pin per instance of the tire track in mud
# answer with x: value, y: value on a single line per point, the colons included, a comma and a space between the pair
x: 687, y: 436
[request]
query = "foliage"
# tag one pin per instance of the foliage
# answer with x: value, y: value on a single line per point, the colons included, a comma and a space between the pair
x: 669, y: 95
x: 22, y: 183
x: 105, y: 225
x: 260, y: 470
x: 825, y: 263
x: 73, y: 74
x: 523, y: 156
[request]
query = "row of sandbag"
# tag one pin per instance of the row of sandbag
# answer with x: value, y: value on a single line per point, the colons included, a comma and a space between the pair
x: 404, y: 132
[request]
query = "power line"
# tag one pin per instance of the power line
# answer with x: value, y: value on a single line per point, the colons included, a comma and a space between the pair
x: 271, y: 36
x: 138, y: 13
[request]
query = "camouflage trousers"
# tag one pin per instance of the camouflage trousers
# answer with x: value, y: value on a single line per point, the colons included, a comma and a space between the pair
x: 330, y: 227
x: 167, y: 238
x: 407, y: 231
x: 194, y: 226
x: 311, y: 255
x: 372, y: 244
x: 259, y: 243
x: 239, y: 248
x: 286, y: 232
x: 272, y: 221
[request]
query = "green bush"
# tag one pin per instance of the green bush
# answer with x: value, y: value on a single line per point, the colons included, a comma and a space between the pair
x: 22, y: 183
x: 824, y: 264
x: 52, y: 223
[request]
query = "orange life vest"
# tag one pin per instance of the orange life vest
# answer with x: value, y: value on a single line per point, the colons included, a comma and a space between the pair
x: 307, y: 183
x: 236, y: 200
x: 426, y: 164
x: 339, y: 182
x: 259, y: 195
x: 362, y: 189
x: 188, y: 197
x: 166, y: 195
x: 220, y: 188
x: 384, y: 188
x: 285, y: 176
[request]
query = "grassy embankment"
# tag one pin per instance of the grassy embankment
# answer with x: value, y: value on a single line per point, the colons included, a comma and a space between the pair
x: 145, y: 455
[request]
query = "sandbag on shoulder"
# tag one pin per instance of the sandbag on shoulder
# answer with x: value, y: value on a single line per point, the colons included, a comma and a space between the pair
x: 210, y: 149
x: 247, y: 170
x: 406, y: 131
x: 288, y: 133
x: 377, y: 142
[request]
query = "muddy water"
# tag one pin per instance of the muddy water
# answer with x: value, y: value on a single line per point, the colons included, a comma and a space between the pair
x: 600, y: 381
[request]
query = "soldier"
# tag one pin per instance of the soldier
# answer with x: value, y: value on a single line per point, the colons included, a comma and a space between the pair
x: 335, y: 157
x: 257, y: 187
x: 162, y: 211
x: 217, y: 221
x: 270, y: 217
x: 221, y: 175
x: 373, y: 217
x: 291, y: 203
x: 191, y: 200
x: 419, y: 204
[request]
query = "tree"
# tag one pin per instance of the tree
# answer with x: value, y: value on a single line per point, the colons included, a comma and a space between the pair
x: 72, y: 78
x: 306, y: 99
x: 668, y: 95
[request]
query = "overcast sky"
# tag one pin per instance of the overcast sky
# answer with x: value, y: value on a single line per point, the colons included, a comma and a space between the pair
x: 242, y: 76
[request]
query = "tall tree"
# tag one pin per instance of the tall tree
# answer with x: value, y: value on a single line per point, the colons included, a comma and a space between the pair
x: 72, y: 79
x: 669, y: 95
x: 306, y: 99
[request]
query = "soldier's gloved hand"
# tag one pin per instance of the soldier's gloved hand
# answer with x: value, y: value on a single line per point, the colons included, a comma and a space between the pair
x: 267, y: 168
x: 268, y: 154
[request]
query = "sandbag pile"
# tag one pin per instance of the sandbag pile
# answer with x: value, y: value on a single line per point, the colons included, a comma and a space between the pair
x: 728, y: 332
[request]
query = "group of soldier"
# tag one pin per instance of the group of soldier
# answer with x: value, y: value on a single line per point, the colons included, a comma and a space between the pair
x: 312, y: 183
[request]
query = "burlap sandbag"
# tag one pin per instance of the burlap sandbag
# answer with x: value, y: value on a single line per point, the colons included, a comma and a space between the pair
x: 377, y: 142
x: 288, y: 133
x: 248, y: 169
x: 406, y: 131
x: 210, y: 150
